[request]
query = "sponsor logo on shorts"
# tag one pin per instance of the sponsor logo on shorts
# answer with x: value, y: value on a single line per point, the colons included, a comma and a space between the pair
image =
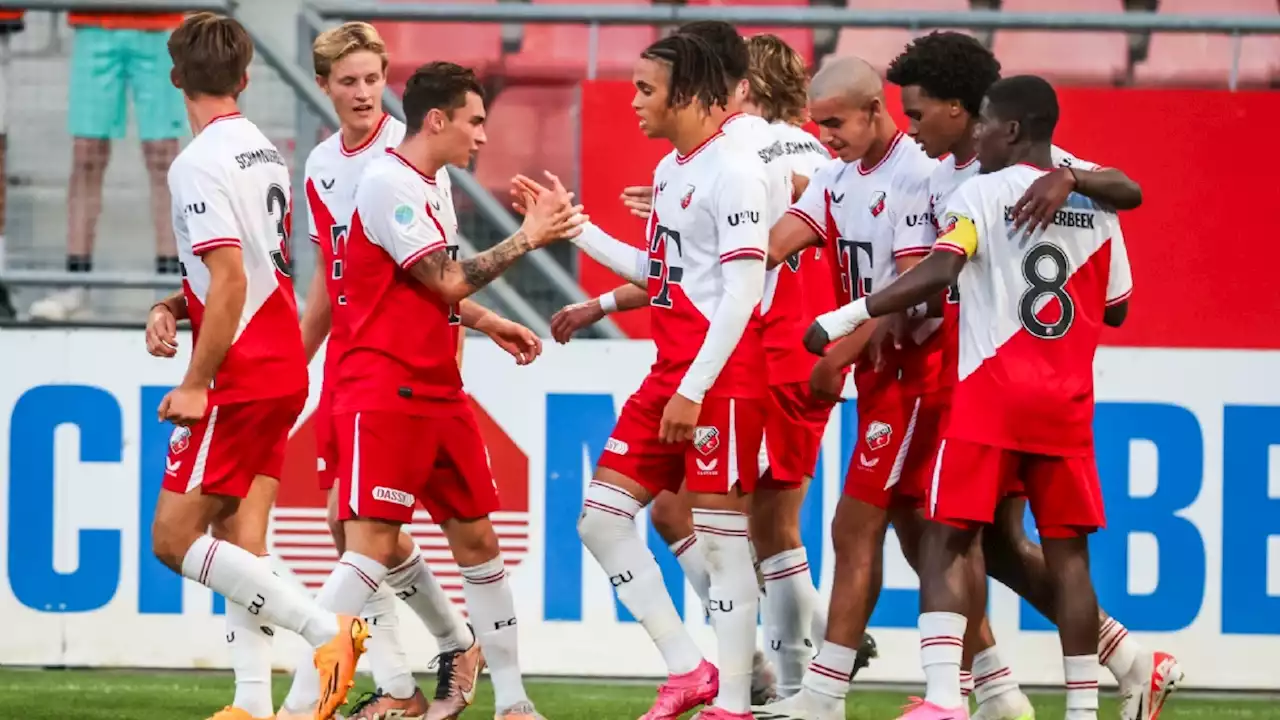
x: 399, y: 497
x: 867, y: 462
x: 616, y: 446
x: 180, y: 440
x: 878, y: 435
x: 706, y: 439
x: 707, y: 467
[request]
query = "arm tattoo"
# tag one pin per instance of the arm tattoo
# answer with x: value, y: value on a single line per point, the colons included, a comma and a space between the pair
x: 480, y: 270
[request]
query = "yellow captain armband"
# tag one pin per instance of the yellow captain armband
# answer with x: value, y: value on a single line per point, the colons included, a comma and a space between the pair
x: 958, y: 235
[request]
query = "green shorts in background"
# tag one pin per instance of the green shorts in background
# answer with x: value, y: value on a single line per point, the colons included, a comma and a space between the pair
x: 107, y: 65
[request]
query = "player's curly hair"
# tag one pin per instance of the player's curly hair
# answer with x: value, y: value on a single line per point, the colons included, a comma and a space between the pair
x: 948, y: 66
x: 778, y: 79
x: 697, y: 73
x: 726, y: 43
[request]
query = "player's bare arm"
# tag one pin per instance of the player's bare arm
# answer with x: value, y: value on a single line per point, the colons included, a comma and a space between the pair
x: 799, y: 183
x: 519, y: 341
x: 929, y: 278
x: 224, y: 304
x: 572, y: 318
x: 550, y: 217
x: 1048, y: 193
x: 826, y: 380
x: 787, y: 237
x: 162, y: 325
x: 1115, y: 314
x: 317, y: 318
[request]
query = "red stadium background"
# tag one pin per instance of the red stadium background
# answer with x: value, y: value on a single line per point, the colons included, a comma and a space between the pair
x: 1202, y: 159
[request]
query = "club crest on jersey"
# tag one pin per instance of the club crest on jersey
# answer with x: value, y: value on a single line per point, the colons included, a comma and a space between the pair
x: 878, y: 435
x: 706, y: 439
x: 948, y: 224
x: 180, y: 440
x: 688, y: 197
x: 877, y: 203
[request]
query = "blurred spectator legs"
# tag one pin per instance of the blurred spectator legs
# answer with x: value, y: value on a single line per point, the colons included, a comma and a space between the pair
x: 108, y: 64
x: 7, y: 27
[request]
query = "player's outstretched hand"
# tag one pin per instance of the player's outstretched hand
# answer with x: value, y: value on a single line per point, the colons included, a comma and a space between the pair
x: 162, y: 332
x: 1037, y: 206
x: 826, y: 382
x: 678, y: 419
x: 572, y: 318
x: 639, y: 200
x: 184, y: 405
x: 519, y: 341
x: 549, y: 213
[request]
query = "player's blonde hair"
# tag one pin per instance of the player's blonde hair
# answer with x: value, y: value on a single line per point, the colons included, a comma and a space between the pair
x: 777, y: 79
x: 337, y: 43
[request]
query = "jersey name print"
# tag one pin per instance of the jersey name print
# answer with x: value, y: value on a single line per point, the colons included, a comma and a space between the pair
x: 230, y: 188
x: 1031, y: 315
x: 709, y: 208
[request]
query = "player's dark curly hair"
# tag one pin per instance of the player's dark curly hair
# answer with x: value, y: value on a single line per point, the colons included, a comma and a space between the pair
x: 697, y: 73
x: 726, y: 43
x: 947, y: 66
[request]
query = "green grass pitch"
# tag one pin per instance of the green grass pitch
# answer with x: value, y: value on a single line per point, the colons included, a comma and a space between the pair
x: 135, y: 695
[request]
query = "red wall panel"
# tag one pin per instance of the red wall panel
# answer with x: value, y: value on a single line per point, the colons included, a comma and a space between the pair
x: 1201, y: 156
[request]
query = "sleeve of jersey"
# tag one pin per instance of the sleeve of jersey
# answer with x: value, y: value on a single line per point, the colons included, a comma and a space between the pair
x: 743, y: 290
x: 629, y: 262
x: 812, y: 205
x: 397, y: 217
x: 742, y: 218
x: 206, y: 207
x: 960, y: 229
x: 314, y: 203
x: 1120, y: 279
x: 913, y: 234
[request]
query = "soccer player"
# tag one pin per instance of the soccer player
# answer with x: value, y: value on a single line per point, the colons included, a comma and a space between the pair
x: 870, y: 205
x: 943, y: 77
x: 698, y: 418
x: 769, y: 83
x: 247, y: 378
x: 1034, y: 303
x: 350, y: 65
x: 405, y: 432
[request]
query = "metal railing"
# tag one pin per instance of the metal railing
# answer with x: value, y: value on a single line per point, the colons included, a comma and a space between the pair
x: 815, y: 17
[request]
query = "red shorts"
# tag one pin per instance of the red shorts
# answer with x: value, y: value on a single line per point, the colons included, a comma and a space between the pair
x: 886, y: 448
x: 232, y: 445
x: 388, y: 462
x: 793, y: 432
x: 724, y: 451
x: 970, y: 480
x: 326, y: 441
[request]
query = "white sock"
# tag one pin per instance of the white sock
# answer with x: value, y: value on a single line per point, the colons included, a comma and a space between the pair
x: 818, y: 624
x: 387, y: 659
x: 694, y: 564
x: 941, y: 645
x: 608, y: 530
x: 345, y: 592
x: 991, y: 676
x: 493, y: 611
x: 1081, y: 672
x: 787, y: 610
x: 830, y: 673
x: 243, y: 579
x: 966, y: 686
x: 413, y: 583
x: 734, y: 600
x: 1116, y: 648
x: 249, y: 642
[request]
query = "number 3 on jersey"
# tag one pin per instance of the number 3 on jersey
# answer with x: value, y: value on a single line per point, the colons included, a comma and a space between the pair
x: 338, y: 243
x: 278, y: 210
x: 1046, y: 270
x: 660, y: 270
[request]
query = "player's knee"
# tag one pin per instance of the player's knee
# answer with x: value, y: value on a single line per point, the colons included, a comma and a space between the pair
x: 599, y: 529
x: 670, y: 518
x: 170, y: 543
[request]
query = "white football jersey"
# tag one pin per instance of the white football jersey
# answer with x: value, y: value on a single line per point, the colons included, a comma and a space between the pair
x: 757, y: 136
x: 709, y: 207
x: 948, y: 176
x: 332, y: 172
x: 1031, y: 314
x: 230, y: 188
x: 880, y: 213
